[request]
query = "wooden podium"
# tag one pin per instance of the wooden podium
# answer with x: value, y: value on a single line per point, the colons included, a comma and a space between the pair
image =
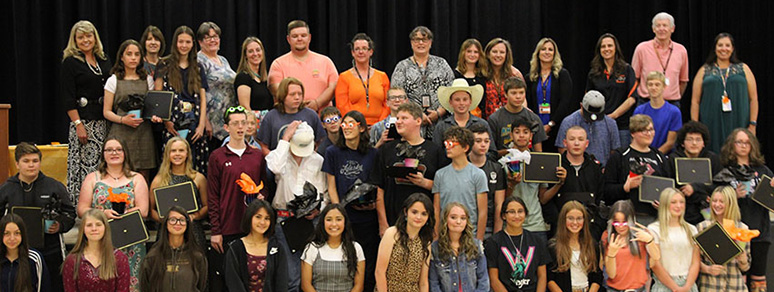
x: 4, y: 155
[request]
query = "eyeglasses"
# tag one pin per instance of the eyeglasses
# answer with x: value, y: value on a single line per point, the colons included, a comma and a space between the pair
x: 514, y: 212
x: 234, y: 109
x: 620, y: 224
x: 450, y: 144
x: 420, y: 40
x: 575, y: 219
x: 332, y: 120
x: 211, y: 38
x: 113, y: 150
x: 177, y: 221
x: 349, y: 125
x: 397, y: 97
x: 741, y: 143
x: 361, y: 49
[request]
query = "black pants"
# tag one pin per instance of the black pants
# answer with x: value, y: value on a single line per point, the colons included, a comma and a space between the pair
x: 215, y: 263
x: 759, y: 253
x: 367, y: 235
x: 54, y: 264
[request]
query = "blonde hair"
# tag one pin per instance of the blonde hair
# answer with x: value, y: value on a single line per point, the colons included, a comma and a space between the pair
x: 731, y: 211
x: 165, y: 170
x: 107, y: 270
x: 72, y: 50
x: 467, y: 244
x: 665, y: 218
x: 534, y: 63
x: 656, y: 75
x: 244, y: 65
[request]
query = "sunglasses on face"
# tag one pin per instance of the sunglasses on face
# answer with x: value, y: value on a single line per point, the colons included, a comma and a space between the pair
x: 349, y: 125
x: 620, y: 224
x: 450, y: 144
x: 332, y: 119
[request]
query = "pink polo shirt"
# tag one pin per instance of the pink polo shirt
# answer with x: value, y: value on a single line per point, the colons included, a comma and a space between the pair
x: 649, y: 57
x: 316, y: 72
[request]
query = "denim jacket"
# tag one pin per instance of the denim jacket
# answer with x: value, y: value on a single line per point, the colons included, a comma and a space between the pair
x: 448, y: 276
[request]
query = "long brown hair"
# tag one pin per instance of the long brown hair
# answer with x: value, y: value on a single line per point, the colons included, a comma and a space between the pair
x: 23, y: 281
x: 119, y: 66
x: 161, y: 251
x: 467, y: 244
x: 126, y: 167
x: 598, y: 65
x: 165, y: 170
x: 561, y: 242
x: 172, y: 61
x: 107, y: 270
x: 481, y: 65
x: 244, y: 65
x: 728, y: 155
x: 505, y: 71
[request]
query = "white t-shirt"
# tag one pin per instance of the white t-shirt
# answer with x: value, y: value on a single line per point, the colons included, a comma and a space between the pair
x: 676, y: 249
x: 110, y: 84
x: 236, y: 151
x: 329, y: 254
x: 577, y: 274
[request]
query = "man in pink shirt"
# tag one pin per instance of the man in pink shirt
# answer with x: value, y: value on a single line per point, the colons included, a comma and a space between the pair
x: 663, y: 55
x: 317, y: 72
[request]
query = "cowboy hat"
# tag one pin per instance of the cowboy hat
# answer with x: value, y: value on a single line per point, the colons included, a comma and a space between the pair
x: 459, y: 84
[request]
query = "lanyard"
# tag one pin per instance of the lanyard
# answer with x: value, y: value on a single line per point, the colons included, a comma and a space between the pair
x: 663, y: 66
x: 723, y: 78
x: 544, y: 88
x: 366, y: 84
x: 422, y: 71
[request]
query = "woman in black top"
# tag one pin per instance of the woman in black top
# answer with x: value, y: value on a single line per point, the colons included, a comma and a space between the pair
x: 549, y: 89
x: 471, y: 66
x: 83, y: 74
x: 250, y: 83
x: 615, y: 79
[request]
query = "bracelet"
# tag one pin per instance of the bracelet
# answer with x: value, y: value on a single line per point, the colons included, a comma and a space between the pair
x: 121, y: 120
x: 610, y: 256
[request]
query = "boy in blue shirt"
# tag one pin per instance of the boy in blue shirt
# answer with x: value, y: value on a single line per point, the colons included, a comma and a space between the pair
x: 667, y: 119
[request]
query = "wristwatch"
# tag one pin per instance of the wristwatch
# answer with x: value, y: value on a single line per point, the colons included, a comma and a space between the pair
x: 77, y: 122
x: 754, y: 123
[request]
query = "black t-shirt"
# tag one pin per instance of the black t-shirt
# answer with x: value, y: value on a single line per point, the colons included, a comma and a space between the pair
x: 495, y: 179
x: 625, y: 160
x: 616, y: 88
x: 260, y: 98
x: 503, y: 253
x: 396, y: 190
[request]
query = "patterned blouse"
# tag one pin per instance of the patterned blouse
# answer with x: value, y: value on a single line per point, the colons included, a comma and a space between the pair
x: 220, y: 94
x: 425, y: 81
x: 88, y: 275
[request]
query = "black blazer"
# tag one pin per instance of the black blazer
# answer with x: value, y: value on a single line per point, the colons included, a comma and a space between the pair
x: 562, y: 101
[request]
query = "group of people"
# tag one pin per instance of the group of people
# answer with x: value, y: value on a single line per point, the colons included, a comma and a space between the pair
x: 416, y: 177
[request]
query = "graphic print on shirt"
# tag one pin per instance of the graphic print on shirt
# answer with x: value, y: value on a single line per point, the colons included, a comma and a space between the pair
x: 351, y: 169
x: 642, y: 165
x: 412, y: 157
x: 520, y: 265
x: 505, y: 133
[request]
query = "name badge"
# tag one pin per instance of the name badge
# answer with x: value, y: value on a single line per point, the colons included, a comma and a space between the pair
x: 545, y: 108
x: 726, y: 103
x: 426, y: 101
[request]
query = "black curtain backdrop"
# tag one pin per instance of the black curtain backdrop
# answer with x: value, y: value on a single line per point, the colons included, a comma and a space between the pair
x: 37, y: 31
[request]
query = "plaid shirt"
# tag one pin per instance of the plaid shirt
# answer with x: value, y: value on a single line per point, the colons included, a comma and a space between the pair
x: 729, y: 281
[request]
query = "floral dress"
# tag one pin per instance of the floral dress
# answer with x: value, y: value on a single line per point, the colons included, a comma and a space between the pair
x: 220, y: 95
x: 136, y: 252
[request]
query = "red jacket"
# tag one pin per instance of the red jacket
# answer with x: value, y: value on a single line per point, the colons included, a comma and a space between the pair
x: 224, y: 197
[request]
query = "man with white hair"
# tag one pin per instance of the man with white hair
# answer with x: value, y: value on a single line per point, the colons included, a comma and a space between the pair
x: 663, y: 55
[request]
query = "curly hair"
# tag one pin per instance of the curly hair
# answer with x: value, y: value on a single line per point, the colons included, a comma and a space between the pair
x: 728, y: 153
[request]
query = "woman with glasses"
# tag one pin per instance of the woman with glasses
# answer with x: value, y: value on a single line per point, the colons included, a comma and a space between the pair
x: 725, y: 93
x: 350, y: 160
x: 744, y: 169
x: 420, y: 76
x: 181, y: 73
x: 174, y: 248
x: 549, y: 89
x: 93, y: 264
x: 251, y: 81
x: 574, y: 252
x: 678, y: 268
x: 516, y: 258
x: 625, y: 244
x: 114, y: 178
x: 177, y: 167
x: 220, y: 80
x: 83, y: 73
x: 128, y: 81
x: 363, y: 88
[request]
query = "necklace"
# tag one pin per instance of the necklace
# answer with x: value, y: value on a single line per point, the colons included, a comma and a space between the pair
x: 94, y: 69
x: 26, y: 190
x: 115, y: 178
x: 521, y: 240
